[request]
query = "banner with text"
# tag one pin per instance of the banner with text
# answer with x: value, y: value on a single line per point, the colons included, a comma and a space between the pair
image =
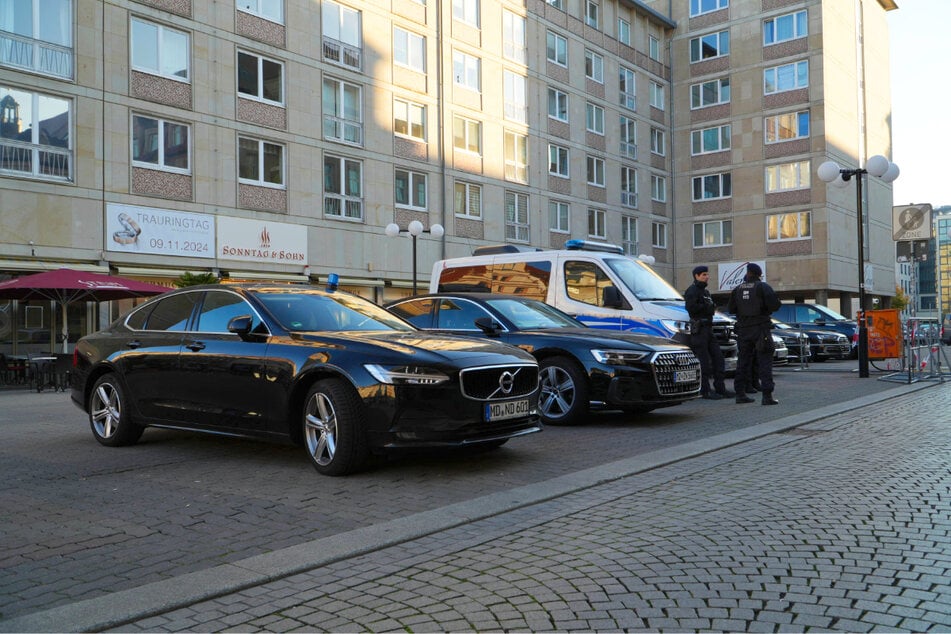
x: 135, y: 229
x: 730, y: 274
x: 261, y: 241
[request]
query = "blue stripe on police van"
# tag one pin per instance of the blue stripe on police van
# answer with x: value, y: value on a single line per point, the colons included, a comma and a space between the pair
x: 628, y: 325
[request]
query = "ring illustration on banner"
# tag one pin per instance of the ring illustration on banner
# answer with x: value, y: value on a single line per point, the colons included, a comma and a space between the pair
x: 130, y: 230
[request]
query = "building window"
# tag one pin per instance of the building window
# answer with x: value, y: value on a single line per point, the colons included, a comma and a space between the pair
x: 710, y: 46
x: 592, y: 14
x: 260, y: 78
x: 515, y: 96
x: 159, y: 50
x: 160, y: 144
x: 786, y: 77
x: 629, y: 187
x: 659, y: 235
x: 659, y: 188
x: 409, y: 50
x: 593, y: 66
x: 558, y: 4
x: 272, y: 10
x: 343, y: 188
x: 409, y: 119
x: 516, y: 156
x: 35, y: 135
x: 658, y: 141
x: 708, y: 140
x: 467, y: 71
x: 466, y: 11
x: 514, y: 39
x: 713, y: 234
x: 712, y: 186
x: 558, y: 104
x: 410, y: 190
x: 785, y: 27
x: 467, y: 200
x: 628, y: 133
x: 342, y: 35
x: 595, y: 167
x: 260, y: 163
x: 629, y: 235
x: 656, y: 95
x: 343, y: 111
x: 557, y: 48
x: 791, y: 226
x: 699, y: 7
x: 467, y: 135
x: 558, y: 218
x: 623, y: 31
x: 653, y: 48
x: 37, y: 35
x: 627, y: 88
x: 788, y: 176
x: 557, y: 160
x: 597, y: 224
x: 516, y: 217
x: 787, y: 127
x: 594, y: 118
x: 710, y: 93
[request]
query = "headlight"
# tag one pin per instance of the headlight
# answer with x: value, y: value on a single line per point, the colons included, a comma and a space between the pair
x: 619, y: 357
x: 406, y: 375
x: 675, y: 326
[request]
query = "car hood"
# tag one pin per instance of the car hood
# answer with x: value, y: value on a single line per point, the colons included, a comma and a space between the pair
x: 424, y: 346
x: 595, y: 337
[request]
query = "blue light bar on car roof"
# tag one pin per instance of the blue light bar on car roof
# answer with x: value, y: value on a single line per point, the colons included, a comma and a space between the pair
x: 587, y: 245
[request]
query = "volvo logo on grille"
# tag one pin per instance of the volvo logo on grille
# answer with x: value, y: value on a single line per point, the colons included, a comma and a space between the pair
x: 506, y: 382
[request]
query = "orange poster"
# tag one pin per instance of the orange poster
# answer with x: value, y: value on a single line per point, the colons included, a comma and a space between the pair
x: 884, y: 334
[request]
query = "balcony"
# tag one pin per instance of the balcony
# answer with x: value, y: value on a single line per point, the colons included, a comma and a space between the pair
x: 343, y: 130
x: 35, y: 55
x: 336, y: 52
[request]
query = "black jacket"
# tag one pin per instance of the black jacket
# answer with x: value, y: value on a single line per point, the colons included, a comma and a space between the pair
x: 698, y: 302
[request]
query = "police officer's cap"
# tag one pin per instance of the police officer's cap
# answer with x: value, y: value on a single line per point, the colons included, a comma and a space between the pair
x: 753, y: 269
x: 697, y: 270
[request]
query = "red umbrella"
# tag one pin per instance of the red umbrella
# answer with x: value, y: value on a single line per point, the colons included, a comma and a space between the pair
x: 66, y: 286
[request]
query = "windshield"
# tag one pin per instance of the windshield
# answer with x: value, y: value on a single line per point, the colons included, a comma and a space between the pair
x: 307, y: 311
x: 642, y: 280
x: 832, y: 315
x: 532, y: 314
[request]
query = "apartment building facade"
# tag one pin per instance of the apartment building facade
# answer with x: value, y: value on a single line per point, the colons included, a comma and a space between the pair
x: 276, y: 139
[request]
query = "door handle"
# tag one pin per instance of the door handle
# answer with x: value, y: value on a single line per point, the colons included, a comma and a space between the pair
x: 135, y: 343
x: 195, y: 346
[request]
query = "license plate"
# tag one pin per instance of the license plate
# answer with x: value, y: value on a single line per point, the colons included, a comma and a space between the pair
x: 503, y: 411
x: 685, y: 376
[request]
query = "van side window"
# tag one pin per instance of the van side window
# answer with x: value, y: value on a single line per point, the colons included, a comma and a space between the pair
x: 527, y: 279
x: 585, y: 282
x: 475, y: 277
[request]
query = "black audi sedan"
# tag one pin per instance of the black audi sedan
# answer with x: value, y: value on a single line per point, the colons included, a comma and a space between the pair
x: 325, y: 369
x: 581, y: 368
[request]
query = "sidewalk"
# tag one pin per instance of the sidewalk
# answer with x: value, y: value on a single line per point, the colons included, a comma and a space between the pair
x: 841, y: 523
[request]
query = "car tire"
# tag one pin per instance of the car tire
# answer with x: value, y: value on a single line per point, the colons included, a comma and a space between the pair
x: 563, y: 396
x: 109, y: 414
x: 333, y: 435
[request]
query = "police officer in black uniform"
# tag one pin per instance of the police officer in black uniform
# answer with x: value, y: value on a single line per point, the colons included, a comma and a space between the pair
x: 704, y: 344
x: 753, y: 302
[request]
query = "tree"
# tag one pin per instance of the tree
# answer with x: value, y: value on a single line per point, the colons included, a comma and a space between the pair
x: 192, y: 279
x: 900, y: 301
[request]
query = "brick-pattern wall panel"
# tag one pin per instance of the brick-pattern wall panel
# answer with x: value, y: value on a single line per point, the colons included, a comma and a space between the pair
x: 798, y: 46
x: 557, y: 240
x: 558, y: 73
x: 161, y: 90
x: 181, y: 7
x: 594, y: 89
x: 708, y: 66
x: 785, y: 199
x: 595, y: 141
x: 658, y: 115
x: 158, y: 183
x: 262, y: 114
x: 710, y: 113
x: 800, y: 96
x: 403, y: 217
x: 713, y: 254
x: 559, y: 129
x: 708, y: 207
x: 406, y: 148
x: 553, y: 15
x: 769, y: 5
x: 262, y: 198
x: 786, y: 148
x: 628, y: 54
x: 709, y: 19
x: 714, y: 159
x: 658, y: 208
x: 660, y: 255
x: 466, y: 228
x: 259, y: 29
x: 789, y: 247
x: 597, y: 194
x: 658, y: 161
x: 558, y: 185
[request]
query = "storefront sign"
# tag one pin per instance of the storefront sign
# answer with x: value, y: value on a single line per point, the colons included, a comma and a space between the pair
x: 730, y: 274
x: 134, y: 229
x: 261, y: 241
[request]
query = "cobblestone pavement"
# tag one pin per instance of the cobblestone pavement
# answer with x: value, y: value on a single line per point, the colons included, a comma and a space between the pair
x: 840, y: 525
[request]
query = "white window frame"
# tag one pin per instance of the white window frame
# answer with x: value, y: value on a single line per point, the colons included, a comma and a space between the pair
x: 785, y: 177
x: 342, y: 35
x: 592, y: 14
x: 40, y: 154
x: 556, y: 49
x: 558, y: 4
x: 559, y: 216
x: 628, y: 137
x: 466, y: 11
x: 710, y: 46
x: 698, y: 93
x: 722, y: 183
x: 593, y: 66
x: 514, y: 37
x: 629, y: 235
x: 658, y: 142
x: 597, y: 224
x: 775, y: 124
x: 515, y: 156
x: 409, y: 50
x: 36, y: 51
x: 260, y: 182
x: 161, y: 45
x: 657, y: 95
x: 627, y: 87
x: 557, y: 104
x: 349, y: 205
x: 595, y: 171
x: 469, y: 195
x: 515, y: 96
x: 559, y: 161
x: 470, y: 128
x: 710, y: 140
x: 517, y: 228
x: 713, y: 233
x: 467, y: 71
x: 337, y: 127
x: 659, y: 188
x: 258, y: 95
x: 786, y: 77
x: 403, y: 111
x: 264, y: 9
x: 653, y: 48
x: 160, y: 148
x: 775, y: 229
x: 628, y: 187
x: 594, y: 118
x: 623, y: 31
x: 659, y: 235
x: 798, y: 24
x: 412, y: 179
x: 699, y: 7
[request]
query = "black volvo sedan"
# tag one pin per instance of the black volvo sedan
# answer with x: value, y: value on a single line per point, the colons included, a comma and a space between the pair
x: 581, y: 368
x: 325, y: 369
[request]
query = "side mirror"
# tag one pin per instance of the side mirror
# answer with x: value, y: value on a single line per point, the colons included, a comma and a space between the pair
x: 611, y: 297
x: 489, y: 326
x: 240, y: 325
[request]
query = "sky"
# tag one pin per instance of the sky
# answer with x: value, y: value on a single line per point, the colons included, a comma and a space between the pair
x: 921, y: 96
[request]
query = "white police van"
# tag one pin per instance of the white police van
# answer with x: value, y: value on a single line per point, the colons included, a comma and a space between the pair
x: 595, y: 282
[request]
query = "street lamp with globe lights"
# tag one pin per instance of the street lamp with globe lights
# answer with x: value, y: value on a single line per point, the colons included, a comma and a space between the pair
x: 831, y: 172
x: 414, y: 229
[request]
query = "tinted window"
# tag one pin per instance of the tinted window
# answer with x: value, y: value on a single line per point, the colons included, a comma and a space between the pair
x: 136, y: 319
x: 172, y: 313
x: 219, y: 308
x: 585, y: 281
x: 418, y: 313
x: 528, y: 279
x: 457, y: 314
x: 476, y: 277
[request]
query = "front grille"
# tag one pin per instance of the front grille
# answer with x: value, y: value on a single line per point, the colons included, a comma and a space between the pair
x: 723, y: 333
x: 666, y: 363
x: 487, y: 383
